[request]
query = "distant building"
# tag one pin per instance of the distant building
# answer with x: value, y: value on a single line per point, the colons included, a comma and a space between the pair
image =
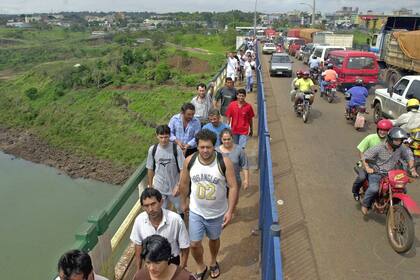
x: 29, y: 19
x: 18, y: 24
x: 98, y: 34
x: 348, y: 12
x: 402, y: 12
x: 372, y: 21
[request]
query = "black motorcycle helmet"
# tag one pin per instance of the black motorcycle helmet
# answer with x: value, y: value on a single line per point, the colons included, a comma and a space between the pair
x: 330, y: 66
x: 396, y: 133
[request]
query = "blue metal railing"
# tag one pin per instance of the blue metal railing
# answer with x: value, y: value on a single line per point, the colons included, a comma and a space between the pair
x: 271, y: 263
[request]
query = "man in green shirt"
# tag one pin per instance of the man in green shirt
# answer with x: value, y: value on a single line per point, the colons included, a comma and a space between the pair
x: 382, y: 128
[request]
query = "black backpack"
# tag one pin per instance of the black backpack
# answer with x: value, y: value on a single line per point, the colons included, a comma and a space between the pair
x: 220, y: 162
x: 175, y: 150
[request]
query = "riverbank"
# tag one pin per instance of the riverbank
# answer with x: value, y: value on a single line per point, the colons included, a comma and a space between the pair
x: 26, y: 145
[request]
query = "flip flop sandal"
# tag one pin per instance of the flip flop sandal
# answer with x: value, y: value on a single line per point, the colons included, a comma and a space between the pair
x: 215, y: 271
x: 200, y: 276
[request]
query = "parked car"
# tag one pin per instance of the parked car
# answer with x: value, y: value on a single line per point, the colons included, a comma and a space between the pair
x: 391, y: 102
x: 269, y: 48
x: 352, y: 65
x: 281, y: 64
x: 322, y: 52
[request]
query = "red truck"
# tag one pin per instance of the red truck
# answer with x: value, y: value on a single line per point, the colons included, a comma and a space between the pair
x: 293, y: 32
x: 295, y: 45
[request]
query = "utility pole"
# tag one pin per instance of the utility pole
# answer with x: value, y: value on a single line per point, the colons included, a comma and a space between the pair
x: 313, y: 13
x: 255, y: 19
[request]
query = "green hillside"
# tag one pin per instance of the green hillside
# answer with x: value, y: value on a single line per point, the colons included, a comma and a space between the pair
x: 98, y: 97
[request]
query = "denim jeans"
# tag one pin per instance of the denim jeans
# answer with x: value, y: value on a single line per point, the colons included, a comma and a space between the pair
x: 240, y: 140
x: 372, y: 190
x: 322, y: 85
x: 361, y: 177
x: 249, y: 83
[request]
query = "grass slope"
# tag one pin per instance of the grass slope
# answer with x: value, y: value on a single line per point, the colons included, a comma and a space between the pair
x: 114, y: 122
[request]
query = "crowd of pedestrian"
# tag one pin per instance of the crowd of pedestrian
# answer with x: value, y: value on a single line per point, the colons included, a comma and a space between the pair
x: 195, y: 169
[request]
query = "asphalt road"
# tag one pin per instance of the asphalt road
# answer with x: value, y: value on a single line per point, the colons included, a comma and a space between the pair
x: 324, y: 235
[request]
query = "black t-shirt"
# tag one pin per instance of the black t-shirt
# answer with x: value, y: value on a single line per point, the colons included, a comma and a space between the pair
x: 226, y: 95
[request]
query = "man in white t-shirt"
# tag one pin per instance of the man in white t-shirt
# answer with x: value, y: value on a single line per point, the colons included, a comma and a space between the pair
x: 76, y: 265
x: 210, y: 207
x: 155, y: 220
x: 232, y: 66
x: 249, y: 68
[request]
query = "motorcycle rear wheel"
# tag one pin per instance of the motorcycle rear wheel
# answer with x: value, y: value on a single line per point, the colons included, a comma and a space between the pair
x: 400, y: 232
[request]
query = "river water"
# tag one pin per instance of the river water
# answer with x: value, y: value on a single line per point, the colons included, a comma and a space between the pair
x: 40, y: 211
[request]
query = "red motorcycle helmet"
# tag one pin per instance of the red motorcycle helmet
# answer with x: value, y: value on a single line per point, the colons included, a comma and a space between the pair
x: 384, y: 125
x: 299, y: 73
x: 306, y: 74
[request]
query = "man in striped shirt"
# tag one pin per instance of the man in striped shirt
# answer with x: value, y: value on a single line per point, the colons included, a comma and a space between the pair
x: 184, y: 126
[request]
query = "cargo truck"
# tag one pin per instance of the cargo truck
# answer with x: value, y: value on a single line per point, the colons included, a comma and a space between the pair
x: 332, y: 39
x: 396, y: 49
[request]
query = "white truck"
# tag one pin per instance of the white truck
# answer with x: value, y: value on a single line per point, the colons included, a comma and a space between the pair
x: 333, y: 39
x: 391, y: 102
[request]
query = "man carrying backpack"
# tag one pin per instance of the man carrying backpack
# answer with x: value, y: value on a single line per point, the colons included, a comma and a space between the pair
x: 210, y: 206
x: 164, y: 163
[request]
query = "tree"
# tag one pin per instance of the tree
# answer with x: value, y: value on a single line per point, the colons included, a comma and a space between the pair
x: 128, y: 57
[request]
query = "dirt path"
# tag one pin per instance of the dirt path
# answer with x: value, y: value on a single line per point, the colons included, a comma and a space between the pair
x: 187, y: 48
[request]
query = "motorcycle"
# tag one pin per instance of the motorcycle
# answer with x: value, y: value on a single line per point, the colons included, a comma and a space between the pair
x: 314, y: 74
x: 357, y: 116
x: 398, y: 207
x: 304, y: 106
x: 331, y: 91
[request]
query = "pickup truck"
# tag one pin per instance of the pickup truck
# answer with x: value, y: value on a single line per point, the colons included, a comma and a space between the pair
x: 390, y: 102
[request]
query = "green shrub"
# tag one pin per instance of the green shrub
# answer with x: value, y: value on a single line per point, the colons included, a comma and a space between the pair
x: 162, y: 73
x: 149, y: 74
x: 32, y: 93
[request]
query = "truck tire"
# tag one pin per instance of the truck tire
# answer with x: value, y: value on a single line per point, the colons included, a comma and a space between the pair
x: 377, y: 112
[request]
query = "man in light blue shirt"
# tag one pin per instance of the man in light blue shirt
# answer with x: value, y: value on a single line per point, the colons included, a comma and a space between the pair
x: 215, y: 124
x: 313, y: 62
x: 184, y: 126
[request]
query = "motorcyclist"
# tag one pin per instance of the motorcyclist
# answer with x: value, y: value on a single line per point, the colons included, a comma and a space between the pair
x: 327, y: 77
x: 382, y: 128
x: 302, y: 85
x: 299, y: 75
x: 384, y: 158
x: 313, y: 62
x: 410, y: 120
x: 356, y: 96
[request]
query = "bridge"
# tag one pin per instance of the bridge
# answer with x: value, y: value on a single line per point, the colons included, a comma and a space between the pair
x: 298, y: 220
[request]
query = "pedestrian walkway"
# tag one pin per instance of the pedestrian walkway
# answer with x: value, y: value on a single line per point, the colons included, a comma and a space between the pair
x: 240, y: 243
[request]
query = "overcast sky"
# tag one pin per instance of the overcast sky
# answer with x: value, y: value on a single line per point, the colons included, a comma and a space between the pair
x: 34, y: 6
